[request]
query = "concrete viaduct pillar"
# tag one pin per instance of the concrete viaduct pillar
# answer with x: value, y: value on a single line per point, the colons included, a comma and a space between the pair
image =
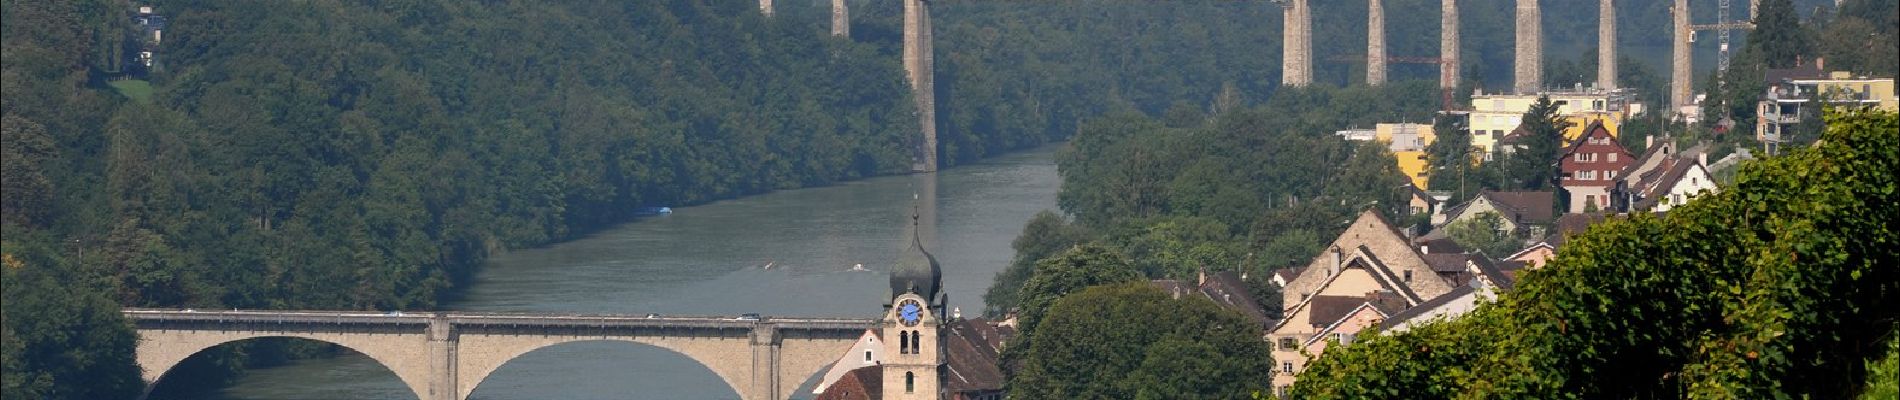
x: 1606, y: 44
x: 1530, y: 48
x: 1448, y: 50
x: 1679, y: 64
x: 920, y: 66
x: 765, y: 7
x: 1296, y: 52
x: 840, y: 19
x: 1375, y: 43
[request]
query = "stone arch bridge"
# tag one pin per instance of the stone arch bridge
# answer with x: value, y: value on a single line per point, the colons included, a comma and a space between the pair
x: 443, y: 356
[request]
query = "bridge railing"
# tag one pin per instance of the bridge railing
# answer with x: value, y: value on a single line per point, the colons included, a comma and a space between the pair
x: 147, y: 315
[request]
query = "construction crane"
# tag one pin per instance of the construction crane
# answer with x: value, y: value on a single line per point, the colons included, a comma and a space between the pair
x: 1723, y: 26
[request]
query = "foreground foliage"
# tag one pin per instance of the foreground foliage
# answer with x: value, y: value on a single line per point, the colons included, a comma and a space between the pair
x: 1781, y: 286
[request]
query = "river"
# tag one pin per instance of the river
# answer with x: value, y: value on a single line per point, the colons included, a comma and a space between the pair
x: 709, y: 260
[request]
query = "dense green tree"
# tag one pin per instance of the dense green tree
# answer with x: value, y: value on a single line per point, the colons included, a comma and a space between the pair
x: 1533, y: 165
x: 1485, y: 232
x: 61, y: 341
x: 1774, y: 288
x: 1046, y: 235
x: 1883, y: 374
x: 1778, y: 35
x: 1860, y: 38
x: 25, y: 198
x: 1132, y: 340
x: 1451, y: 158
x: 1067, y: 272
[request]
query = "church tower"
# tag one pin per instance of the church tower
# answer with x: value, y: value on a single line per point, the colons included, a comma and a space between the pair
x: 913, y: 358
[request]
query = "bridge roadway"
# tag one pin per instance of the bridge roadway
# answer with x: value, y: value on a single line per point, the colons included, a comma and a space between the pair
x: 444, y: 355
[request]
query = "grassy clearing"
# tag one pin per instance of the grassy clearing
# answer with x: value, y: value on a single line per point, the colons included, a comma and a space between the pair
x: 137, y: 90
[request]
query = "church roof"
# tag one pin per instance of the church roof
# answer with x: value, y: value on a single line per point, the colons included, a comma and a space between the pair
x: 917, y: 271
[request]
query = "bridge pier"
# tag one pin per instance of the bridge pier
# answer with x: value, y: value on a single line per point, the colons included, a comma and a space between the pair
x: 442, y: 362
x: 765, y: 359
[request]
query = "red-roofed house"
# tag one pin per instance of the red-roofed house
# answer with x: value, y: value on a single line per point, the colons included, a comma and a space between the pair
x: 1590, y: 164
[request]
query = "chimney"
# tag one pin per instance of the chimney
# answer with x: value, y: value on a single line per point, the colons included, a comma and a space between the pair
x: 1820, y: 64
x: 1649, y: 141
x: 1702, y: 159
x: 956, y: 313
x: 1424, y: 249
x: 1201, y: 279
x: 1333, y: 269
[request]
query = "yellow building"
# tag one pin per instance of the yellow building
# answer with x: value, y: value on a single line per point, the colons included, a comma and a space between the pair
x: 1495, y: 115
x: 1407, y: 142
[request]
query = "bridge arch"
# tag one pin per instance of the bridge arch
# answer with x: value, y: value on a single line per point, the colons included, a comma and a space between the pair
x: 476, y: 373
x: 481, y: 355
x: 160, y: 351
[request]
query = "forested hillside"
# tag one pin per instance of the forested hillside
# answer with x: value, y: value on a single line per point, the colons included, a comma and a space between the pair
x: 369, y: 155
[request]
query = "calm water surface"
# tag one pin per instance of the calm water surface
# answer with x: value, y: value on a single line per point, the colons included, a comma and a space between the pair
x: 708, y: 260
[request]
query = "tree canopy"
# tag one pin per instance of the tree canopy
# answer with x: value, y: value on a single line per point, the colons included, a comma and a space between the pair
x: 1132, y: 341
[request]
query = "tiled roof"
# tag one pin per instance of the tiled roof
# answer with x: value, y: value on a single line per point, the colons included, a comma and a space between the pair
x: 1806, y: 71
x: 860, y: 384
x: 1410, y: 313
x: 1227, y: 290
x: 1491, y: 272
x: 1654, y: 191
x: 1529, y: 207
x: 1329, y: 309
x: 971, y: 349
x: 1446, y: 262
x: 1571, y: 224
x: 1438, y: 244
x: 1289, y: 273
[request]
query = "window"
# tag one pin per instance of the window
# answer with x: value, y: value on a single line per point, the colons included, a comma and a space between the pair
x: 867, y: 356
x: 1612, y: 157
x: 1408, y: 276
x: 1341, y: 338
x: 1610, y: 174
x: 1287, y: 343
x: 910, y: 382
x: 1286, y: 367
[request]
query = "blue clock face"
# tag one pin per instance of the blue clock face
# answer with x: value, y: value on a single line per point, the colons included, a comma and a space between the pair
x: 909, y: 312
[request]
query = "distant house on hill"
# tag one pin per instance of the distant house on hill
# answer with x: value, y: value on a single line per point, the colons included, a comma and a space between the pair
x: 1662, y: 179
x: 1369, y: 273
x: 1227, y: 289
x: 1590, y: 166
x: 1526, y: 212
